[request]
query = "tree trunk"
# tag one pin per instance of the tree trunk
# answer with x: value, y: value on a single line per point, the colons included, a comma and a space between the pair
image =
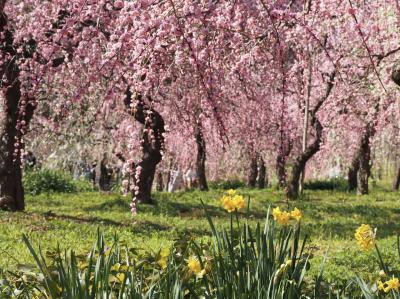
x: 201, y: 158
x: 152, y: 145
x: 253, y: 172
x: 364, y: 171
x: 301, y: 161
x: 396, y: 182
x: 11, y: 189
x: 262, y: 175
x: 105, y: 176
x: 281, y: 170
x: 352, y: 173
x: 281, y: 164
x: 160, y: 182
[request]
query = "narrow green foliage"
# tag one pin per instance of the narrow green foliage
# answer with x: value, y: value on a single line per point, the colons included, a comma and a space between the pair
x: 236, y: 263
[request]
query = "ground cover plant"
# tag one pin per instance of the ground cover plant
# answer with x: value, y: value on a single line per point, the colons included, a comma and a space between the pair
x: 330, y: 218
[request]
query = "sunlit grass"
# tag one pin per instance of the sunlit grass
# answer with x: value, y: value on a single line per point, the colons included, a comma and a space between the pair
x: 330, y: 218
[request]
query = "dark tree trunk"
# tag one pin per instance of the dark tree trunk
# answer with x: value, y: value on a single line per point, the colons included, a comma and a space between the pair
x: 281, y: 164
x: 352, y: 173
x: 152, y: 144
x: 396, y: 182
x: 167, y: 179
x: 281, y: 170
x: 11, y: 189
x: 105, y: 175
x: 160, y: 182
x: 201, y: 158
x: 364, y: 171
x: 262, y: 175
x: 396, y: 79
x: 301, y: 161
x: 253, y: 172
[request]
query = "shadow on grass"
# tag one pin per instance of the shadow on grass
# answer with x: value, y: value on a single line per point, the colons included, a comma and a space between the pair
x: 116, y: 204
x: 159, y: 207
x: 139, y: 227
x: 182, y: 209
x: 50, y: 215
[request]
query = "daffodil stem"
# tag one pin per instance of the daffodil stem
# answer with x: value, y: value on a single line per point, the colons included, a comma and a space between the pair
x: 237, y: 219
x: 231, y: 228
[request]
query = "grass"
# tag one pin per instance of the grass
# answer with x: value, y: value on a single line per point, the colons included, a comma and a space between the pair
x: 330, y: 219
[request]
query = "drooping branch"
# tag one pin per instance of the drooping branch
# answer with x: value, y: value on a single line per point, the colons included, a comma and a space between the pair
x: 152, y: 143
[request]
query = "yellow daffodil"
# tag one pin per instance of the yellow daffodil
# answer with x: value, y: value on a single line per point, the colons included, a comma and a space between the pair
x: 228, y: 204
x: 392, y: 284
x: 296, y: 214
x: 231, y: 192
x: 282, y: 218
x: 195, y: 267
x: 365, y: 237
x: 238, y: 202
x: 381, y: 285
x: 232, y: 201
x: 276, y: 212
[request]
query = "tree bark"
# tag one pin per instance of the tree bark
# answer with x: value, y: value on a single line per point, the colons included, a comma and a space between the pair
x: 262, y: 175
x: 11, y: 189
x: 160, y: 182
x: 352, y: 173
x: 253, y: 172
x: 301, y: 161
x: 105, y: 175
x: 281, y: 170
x: 201, y: 158
x: 152, y: 144
x: 364, y: 171
x: 396, y: 182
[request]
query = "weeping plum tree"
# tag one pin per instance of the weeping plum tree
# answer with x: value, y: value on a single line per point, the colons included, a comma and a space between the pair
x: 34, y: 64
x: 152, y: 144
x: 227, y: 58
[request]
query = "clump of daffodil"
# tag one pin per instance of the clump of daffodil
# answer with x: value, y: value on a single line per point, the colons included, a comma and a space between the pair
x: 283, y: 217
x: 194, y: 266
x: 232, y: 201
x: 365, y: 237
x: 391, y: 284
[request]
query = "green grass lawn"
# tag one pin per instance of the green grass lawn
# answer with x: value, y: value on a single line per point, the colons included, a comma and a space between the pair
x: 330, y: 219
